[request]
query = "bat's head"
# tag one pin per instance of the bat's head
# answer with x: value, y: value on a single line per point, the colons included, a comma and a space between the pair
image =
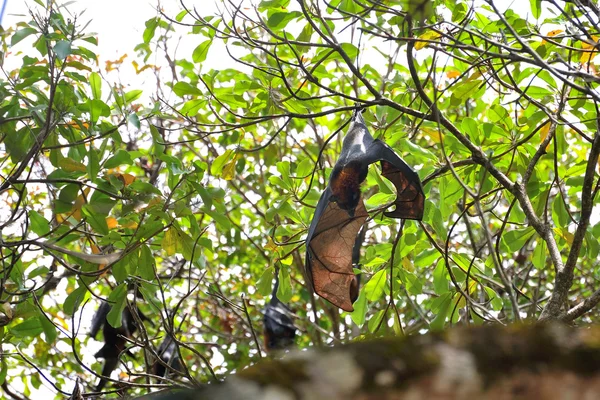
x: 279, y: 329
x: 345, y: 186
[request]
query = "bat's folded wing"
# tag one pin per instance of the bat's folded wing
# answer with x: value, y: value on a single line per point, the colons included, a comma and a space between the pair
x: 410, y: 200
x: 329, y: 250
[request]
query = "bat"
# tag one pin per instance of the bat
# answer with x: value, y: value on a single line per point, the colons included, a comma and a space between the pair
x: 279, y: 330
x: 114, y: 339
x: 169, y: 358
x: 355, y: 283
x: 341, y: 212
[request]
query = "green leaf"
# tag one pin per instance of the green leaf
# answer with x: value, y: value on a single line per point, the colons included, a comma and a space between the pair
x: 465, y: 90
x: 560, y: 215
x: 96, y: 85
x: 444, y: 306
x: 74, y: 299
x: 147, y: 264
x: 284, y: 292
x: 279, y: 20
x: 118, y: 301
x: 21, y: 34
x: 62, y: 49
x: 134, y: 120
x: 183, y: 88
x: 133, y: 95
x: 93, y: 165
x: 97, y: 108
x: 31, y: 327
x: 516, y: 239
x: 536, y: 8
x: 120, y: 158
x: 265, y: 282
x: 151, y: 25
x: 375, y: 321
x: 360, y: 309
x: 120, y: 270
x: 471, y: 128
x: 49, y: 329
x: 350, y: 50
x: 495, y: 300
x: 3, y: 371
x: 440, y: 278
x: 201, y: 51
x: 39, y: 225
x: 219, y: 163
x: 97, y: 221
x: 375, y: 288
x: 70, y: 165
x: 379, y: 199
x: 144, y: 187
x: 539, y: 255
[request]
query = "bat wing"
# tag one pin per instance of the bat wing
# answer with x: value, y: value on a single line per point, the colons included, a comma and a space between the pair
x: 109, y: 366
x: 410, y: 200
x: 330, y: 242
x: 99, y: 319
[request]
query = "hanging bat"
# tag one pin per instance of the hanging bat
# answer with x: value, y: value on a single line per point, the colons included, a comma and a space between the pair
x: 169, y: 358
x: 341, y: 212
x: 355, y: 283
x: 279, y: 329
x: 114, y: 339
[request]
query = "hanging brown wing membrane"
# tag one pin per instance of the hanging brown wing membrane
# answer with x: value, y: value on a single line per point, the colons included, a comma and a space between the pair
x: 410, y: 200
x: 330, y: 253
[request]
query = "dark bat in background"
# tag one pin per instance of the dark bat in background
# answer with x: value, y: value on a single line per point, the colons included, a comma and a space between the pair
x: 279, y: 329
x: 341, y: 212
x: 355, y: 283
x: 114, y: 339
x: 169, y: 355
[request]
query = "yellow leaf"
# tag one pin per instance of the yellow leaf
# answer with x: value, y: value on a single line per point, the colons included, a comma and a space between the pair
x: 587, y: 57
x: 77, y: 124
x: 407, y: 264
x: 460, y: 303
x: 544, y: 132
x: 429, y: 35
x: 127, y: 179
x: 111, y: 222
x: 70, y: 165
x: 129, y: 224
x: 169, y: 242
x: 589, y: 45
x: 434, y: 134
x: 229, y: 168
x: 565, y: 234
x: 271, y: 246
x: 96, y: 250
x: 61, y: 321
x: 552, y: 34
x: 586, y: 45
x: 472, y: 286
x: 452, y: 74
x: 79, y: 202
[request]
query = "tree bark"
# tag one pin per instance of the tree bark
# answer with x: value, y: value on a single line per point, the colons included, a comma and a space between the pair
x: 491, y: 362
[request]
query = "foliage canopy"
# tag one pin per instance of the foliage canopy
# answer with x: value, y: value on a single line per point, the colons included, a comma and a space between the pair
x: 205, y: 185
